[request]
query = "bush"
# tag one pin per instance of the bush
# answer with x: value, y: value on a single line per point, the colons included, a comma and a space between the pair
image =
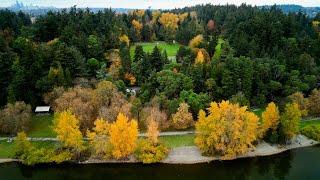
x: 312, y: 131
x: 148, y: 152
x: 15, y: 118
x: 31, y: 155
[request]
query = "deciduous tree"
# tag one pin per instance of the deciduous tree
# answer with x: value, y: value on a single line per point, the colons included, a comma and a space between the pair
x: 182, y: 119
x: 228, y: 130
x: 290, y: 120
x: 66, y: 125
x: 123, y: 136
x: 270, y: 119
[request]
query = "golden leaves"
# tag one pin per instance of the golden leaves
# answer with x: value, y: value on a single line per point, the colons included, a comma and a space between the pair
x: 123, y: 136
x: 124, y: 39
x: 227, y: 130
x: 169, y: 20
x: 66, y: 125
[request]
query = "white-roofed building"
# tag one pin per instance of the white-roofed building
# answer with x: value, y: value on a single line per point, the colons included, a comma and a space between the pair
x: 42, y: 110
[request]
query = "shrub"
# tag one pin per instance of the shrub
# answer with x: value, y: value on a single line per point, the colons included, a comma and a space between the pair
x: 31, y: 155
x: 15, y: 118
x: 183, y: 118
x: 312, y: 131
x: 147, y: 152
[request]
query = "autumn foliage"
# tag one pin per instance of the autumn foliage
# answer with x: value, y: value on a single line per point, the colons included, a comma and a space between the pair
x: 123, y: 136
x: 290, y: 120
x: 98, y: 139
x: 228, y: 130
x: 183, y: 118
x: 270, y: 119
x: 66, y: 125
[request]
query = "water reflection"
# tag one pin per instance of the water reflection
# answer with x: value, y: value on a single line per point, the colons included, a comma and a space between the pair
x: 288, y: 165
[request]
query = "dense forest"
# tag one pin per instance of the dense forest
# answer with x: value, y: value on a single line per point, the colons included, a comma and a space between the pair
x: 243, y: 53
x: 108, y: 75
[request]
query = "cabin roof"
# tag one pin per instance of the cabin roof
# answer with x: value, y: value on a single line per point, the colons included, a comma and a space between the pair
x: 41, y: 109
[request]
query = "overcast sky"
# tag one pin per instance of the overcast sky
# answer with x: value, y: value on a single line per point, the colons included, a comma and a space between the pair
x: 155, y: 4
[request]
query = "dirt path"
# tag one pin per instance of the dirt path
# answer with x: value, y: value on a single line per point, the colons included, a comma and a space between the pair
x: 172, y: 133
x: 192, y: 155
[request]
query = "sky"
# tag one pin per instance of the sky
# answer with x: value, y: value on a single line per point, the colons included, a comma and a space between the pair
x: 155, y: 4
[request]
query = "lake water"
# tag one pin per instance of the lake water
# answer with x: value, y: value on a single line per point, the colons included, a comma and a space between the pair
x: 297, y: 164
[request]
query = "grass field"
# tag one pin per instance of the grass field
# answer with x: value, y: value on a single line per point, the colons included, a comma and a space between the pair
x: 7, y: 148
x: 308, y: 123
x: 41, y: 126
x: 178, y: 141
x: 148, y: 47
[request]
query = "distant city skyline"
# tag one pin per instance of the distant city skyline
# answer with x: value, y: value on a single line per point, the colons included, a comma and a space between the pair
x: 155, y: 4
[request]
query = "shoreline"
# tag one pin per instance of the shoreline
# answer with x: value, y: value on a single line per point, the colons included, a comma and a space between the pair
x: 192, y: 155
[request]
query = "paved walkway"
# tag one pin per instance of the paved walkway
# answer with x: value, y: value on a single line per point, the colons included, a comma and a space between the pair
x: 172, y: 133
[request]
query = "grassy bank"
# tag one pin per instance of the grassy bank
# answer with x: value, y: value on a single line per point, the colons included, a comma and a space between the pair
x: 7, y: 148
x: 178, y: 141
x: 309, y: 123
x: 41, y: 126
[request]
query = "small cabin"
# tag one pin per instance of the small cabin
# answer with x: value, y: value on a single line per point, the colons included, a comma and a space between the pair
x: 42, y: 110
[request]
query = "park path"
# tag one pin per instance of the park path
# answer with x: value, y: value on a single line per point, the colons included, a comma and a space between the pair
x: 171, y: 133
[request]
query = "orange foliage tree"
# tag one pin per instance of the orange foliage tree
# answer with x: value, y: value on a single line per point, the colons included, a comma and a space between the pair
x: 123, y: 136
x: 228, y: 130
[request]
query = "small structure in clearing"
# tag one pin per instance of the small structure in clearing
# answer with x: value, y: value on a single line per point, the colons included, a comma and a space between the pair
x: 42, y: 110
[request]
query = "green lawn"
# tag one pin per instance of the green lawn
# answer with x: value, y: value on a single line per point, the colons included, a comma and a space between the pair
x: 148, y: 47
x: 308, y: 123
x: 7, y: 148
x: 258, y: 111
x: 41, y: 126
x: 178, y: 141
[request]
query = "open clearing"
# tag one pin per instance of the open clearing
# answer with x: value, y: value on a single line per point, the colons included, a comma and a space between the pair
x: 163, y: 46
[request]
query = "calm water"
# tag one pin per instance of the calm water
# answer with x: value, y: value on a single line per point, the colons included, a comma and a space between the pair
x: 297, y: 164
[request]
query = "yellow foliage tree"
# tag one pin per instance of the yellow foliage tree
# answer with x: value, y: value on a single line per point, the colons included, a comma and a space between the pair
x: 200, y: 58
x: 196, y: 41
x: 155, y: 15
x: 137, y: 25
x: 270, y: 119
x: 182, y: 17
x: 228, y: 130
x: 182, y: 119
x: 290, y: 120
x: 169, y: 20
x: 123, y: 136
x: 153, y: 132
x: 98, y: 139
x: 124, y: 39
x: 66, y: 125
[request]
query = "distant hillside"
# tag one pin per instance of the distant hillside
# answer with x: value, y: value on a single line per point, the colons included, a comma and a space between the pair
x: 310, y: 11
x: 38, y: 10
